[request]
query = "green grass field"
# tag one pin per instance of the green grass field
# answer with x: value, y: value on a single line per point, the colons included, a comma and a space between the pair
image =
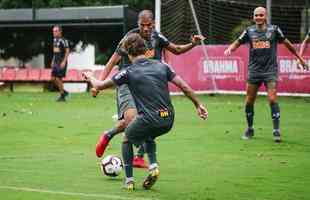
x: 47, y: 151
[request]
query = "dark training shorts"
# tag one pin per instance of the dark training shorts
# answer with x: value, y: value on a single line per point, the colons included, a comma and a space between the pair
x: 57, y: 71
x: 267, y: 80
x: 124, y: 100
x: 140, y: 130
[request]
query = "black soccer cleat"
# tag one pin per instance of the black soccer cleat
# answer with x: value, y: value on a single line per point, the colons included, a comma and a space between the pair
x: 276, y: 136
x: 151, y: 178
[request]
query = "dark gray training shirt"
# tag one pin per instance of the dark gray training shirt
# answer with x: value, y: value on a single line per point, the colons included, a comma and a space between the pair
x: 148, y: 80
x: 154, y: 47
x: 263, y: 49
x: 59, y: 46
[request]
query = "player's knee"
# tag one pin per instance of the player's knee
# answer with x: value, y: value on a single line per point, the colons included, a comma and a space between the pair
x: 249, y: 100
x: 129, y: 116
x: 125, y: 139
x: 121, y: 125
x: 272, y: 99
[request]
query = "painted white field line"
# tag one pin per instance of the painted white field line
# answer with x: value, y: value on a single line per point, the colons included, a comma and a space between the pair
x: 107, y: 196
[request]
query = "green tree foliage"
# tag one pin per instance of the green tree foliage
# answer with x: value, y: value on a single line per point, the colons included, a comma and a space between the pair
x: 24, y: 43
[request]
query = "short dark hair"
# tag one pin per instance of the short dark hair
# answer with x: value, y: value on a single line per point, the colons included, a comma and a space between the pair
x: 134, y: 45
x: 59, y: 27
x: 146, y: 14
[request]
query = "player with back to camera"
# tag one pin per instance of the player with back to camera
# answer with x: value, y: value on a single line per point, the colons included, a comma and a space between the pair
x: 147, y: 80
x: 263, y: 69
x: 155, y: 43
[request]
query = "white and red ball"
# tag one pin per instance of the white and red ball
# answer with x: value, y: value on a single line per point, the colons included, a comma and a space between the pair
x: 111, y: 166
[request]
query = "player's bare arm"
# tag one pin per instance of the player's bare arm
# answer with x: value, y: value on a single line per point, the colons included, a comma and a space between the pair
x: 303, y: 46
x: 98, y: 84
x: 291, y: 48
x: 64, y: 61
x: 115, y: 58
x: 188, y: 91
x: 235, y: 45
x: 179, y: 49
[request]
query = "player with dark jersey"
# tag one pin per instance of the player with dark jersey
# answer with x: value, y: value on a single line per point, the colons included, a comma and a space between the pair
x: 147, y: 81
x: 263, y: 69
x: 59, y: 61
x: 154, y: 43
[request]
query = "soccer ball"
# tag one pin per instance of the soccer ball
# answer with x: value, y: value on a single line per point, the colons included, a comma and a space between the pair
x: 111, y: 166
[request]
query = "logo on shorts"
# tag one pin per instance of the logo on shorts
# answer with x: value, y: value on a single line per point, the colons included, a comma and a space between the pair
x: 163, y: 113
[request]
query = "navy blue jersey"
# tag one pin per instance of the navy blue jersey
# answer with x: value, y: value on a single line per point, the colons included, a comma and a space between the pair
x: 263, y: 49
x: 59, y: 47
x: 154, y: 47
x: 147, y: 80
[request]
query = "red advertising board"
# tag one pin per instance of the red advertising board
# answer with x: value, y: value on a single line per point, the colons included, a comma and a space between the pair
x: 221, y: 73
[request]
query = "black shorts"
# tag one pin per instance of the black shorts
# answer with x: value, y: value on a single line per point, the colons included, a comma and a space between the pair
x: 124, y: 100
x: 141, y: 130
x: 59, y: 72
x: 258, y: 80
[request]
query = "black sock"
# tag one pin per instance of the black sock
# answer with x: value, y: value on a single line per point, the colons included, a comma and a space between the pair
x: 111, y: 133
x: 249, y: 112
x: 127, y: 151
x: 275, y: 115
x: 141, y: 151
x: 150, y: 149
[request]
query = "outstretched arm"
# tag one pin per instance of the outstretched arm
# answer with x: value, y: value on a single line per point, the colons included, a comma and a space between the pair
x: 235, y: 45
x: 303, y: 46
x: 98, y: 84
x: 291, y: 48
x: 188, y: 91
x: 179, y: 49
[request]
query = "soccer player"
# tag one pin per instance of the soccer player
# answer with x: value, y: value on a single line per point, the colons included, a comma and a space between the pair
x: 262, y: 69
x: 59, y: 61
x: 155, y: 43
x: 147, y: 80
x: 303, y: 46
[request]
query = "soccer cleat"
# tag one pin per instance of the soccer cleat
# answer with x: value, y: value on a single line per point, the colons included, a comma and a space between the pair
x: 102, y: 144
x: 151, y: 178
x: 139, y: 162
x: 276, y: 136
x: 130, y: 186
x: 61, y: 99
x: 248, y: 134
